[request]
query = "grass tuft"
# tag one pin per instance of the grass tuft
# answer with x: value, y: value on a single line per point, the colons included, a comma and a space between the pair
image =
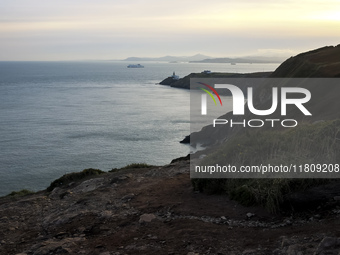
x: 20, y: 193
x: 131, y: 166
x: 71, y: 177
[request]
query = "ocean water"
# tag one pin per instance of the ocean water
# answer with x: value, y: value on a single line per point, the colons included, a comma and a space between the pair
x: 62, y: 117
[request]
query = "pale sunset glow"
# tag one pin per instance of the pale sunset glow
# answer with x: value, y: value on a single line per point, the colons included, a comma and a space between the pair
x: 66, y: 30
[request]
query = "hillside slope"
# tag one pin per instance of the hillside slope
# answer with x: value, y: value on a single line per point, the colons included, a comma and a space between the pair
x: 155, y: 211
x: 322, y: 62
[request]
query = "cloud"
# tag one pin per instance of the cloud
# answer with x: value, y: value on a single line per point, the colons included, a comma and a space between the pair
x: 161, y: 27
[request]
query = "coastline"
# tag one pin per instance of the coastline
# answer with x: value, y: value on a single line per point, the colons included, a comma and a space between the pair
x: 146, y: 209
x: 184, y: 83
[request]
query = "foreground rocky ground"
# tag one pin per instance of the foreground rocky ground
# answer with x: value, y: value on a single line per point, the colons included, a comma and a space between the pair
x: 156, y: 211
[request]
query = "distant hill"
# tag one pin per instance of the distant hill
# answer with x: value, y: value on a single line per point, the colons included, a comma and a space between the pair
x: 257, y: 59
x: 197, y: 57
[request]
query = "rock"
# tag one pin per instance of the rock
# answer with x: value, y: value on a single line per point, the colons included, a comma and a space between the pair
x: 52, y: 250
x: 119, y: 179
x: 4, y: 219
x: 53, y: 246
x: 192, y: 253
x: 88, y: 185
x: 288, y: 222
x: 285, y: 242
x: 151, y: 237
x: 294, y: 249
x: 249, y: 215
x: 186, y: 140
x: 81, y: 229
x: 128, y: 197
x: 328, y: 245
x: 249, y: 252
x: 105, y: 214
x: 65, y: 194
x: 187, y: 157
x: 55, y: 193
x: 61, y: 235
x: 277, y: 252
x: 167, y: 81
x: 105, y: 253
x: 146, y: 218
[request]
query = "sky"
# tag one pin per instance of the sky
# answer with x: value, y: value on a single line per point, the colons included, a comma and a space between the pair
x: 52, y: 30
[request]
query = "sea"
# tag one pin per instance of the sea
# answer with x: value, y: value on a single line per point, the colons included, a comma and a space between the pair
x: 63, y: 117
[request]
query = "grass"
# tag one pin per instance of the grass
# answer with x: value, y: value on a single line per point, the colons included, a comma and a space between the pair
x: 71, y: 177
x: 131, y: 166
x: 307, y: 143
x: 20, y: 193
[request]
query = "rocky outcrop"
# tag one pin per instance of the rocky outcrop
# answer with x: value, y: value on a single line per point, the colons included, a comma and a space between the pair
x: 186, y: 140
x: 184, y: 83
x: 155, y: 211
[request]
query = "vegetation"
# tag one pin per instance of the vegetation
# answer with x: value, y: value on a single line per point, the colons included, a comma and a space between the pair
x: 71, y: 177
x: 133, y: 165
x: 137, y: 165
x: 308, y: 143
x: 22, y: 192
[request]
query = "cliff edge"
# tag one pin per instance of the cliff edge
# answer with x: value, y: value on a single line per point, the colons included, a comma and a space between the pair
x: 322, y: 62
x: 155, y: 211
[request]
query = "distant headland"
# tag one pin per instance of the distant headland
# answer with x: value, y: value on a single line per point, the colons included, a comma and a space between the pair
x: 200, y: 58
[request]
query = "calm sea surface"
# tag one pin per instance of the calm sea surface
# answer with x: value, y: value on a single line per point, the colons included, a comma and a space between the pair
x: 62, y: 117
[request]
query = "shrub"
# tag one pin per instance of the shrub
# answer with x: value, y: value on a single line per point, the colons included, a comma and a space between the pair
x: 130, y: 166
x: 22, y: 192
x: 71, y: 177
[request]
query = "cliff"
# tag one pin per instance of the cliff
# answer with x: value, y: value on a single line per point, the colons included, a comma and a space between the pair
x: 154, y: 210
x: 322, y: 62
x: 184, y: 83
